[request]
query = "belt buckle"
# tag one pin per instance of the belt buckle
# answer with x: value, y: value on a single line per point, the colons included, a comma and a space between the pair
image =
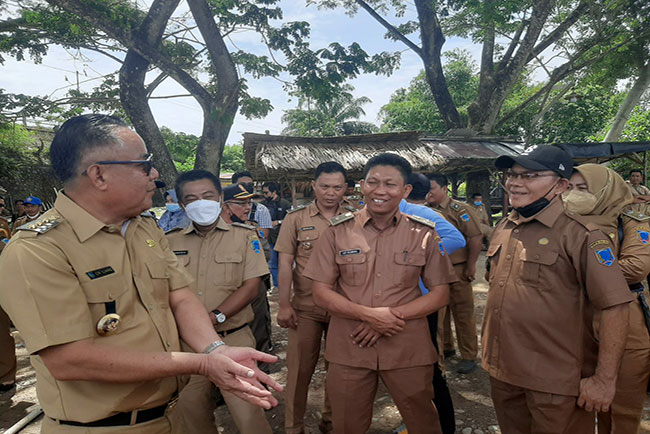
x: 171, y: 404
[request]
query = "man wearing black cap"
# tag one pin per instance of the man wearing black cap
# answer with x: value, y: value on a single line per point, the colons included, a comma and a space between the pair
x: 226, y: 260
x: 549, y: 275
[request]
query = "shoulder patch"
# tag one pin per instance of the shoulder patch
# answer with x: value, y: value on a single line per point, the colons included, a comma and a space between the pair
x: 422, y: 220
x: 341, y: 218
x: 41, y: 225
x: 636, y: 215
x: 456, y: 207
x: 243, y: 225
x: 298, y: 208
x: 351, y: 208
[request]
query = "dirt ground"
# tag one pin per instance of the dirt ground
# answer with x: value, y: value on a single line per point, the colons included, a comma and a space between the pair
x: 470, y: 393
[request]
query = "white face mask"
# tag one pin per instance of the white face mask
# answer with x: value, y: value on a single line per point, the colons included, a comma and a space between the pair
x: 203, y: 212
x: 579, y: 202
x: 32, y: 217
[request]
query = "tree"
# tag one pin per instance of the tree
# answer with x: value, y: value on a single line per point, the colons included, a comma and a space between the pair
x: 514, y: 36
x: 191, y: 49
x: 335, y: 117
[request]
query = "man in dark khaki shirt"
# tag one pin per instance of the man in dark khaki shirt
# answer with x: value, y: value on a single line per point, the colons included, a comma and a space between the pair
x: 227, y: 264
x: 548, y: 274
x: 301, y: 231
x: 101, y: 301
x: 366, y: 270
x: 461, y: 296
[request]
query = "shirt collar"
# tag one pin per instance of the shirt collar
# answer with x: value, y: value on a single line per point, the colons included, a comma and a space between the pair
x: 364, y: 217
x: 221, y: 225
x: 84, y: 224
x: 547, y: 216
x: 314, y: 211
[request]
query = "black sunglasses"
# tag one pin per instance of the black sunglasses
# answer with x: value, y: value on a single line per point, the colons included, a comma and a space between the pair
x: 147, y: 163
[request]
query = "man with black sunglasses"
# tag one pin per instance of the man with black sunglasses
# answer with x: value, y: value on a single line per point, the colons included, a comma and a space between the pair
x: 101, y: 301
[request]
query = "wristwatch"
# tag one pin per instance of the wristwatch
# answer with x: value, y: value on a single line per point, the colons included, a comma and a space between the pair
x: 220, y: 316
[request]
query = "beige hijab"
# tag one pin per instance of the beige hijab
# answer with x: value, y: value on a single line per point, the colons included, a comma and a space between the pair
x: 611, y: 192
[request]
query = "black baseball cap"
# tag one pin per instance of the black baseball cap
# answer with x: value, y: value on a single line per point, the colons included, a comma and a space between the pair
x: 545, y: 157
x: 238, y: 191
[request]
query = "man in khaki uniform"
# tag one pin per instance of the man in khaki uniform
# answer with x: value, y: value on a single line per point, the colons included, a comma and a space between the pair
x: 483, y: 214
x: 461, y: 296
x: 366, y: 270
x: 33, y: 209
x: 301, y: 230
x: 101, y: 301
x: 549, y: 274
x: 227, y: 262
x: 640, y: 192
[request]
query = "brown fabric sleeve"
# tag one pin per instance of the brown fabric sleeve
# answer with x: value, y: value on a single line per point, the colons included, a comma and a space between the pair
x: 634, y: 256
x: 287, y: 239
x: 322, y: 265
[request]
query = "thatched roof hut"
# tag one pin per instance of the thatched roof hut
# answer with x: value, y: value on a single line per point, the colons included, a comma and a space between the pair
x: 295, y: 158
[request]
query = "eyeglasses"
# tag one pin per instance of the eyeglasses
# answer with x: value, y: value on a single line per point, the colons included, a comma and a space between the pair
x: 147, y: 163
x: 239, y: 202
x: 526, y: 176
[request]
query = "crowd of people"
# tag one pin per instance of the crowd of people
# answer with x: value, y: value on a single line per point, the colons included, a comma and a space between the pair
x: 143, y: 326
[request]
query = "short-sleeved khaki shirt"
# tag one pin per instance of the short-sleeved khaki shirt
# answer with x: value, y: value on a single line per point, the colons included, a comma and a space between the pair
x: 300, y: 233
x: 639, y: 190
x: 464, y: 218
x: 56, y: 287
x: 220, y: 262
x: 548, y: 274
x: 481, y: 213
x: 380, y: 268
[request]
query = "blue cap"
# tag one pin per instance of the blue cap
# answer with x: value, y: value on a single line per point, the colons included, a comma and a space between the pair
x: 32, y: 200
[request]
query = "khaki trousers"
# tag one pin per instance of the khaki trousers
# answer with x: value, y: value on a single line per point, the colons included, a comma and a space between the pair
x: 196, y: 402
x: 352, y: 394
x: 163, y: 425
x: 624, y: 416
x: 525, y: 411
x: 7, y: 351
x: 461, y: 305
x: 302, y: 357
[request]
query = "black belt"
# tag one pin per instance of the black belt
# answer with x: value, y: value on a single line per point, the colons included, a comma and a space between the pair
x: 225, y: 333
x: 638, y: 289
x: 122, y: 418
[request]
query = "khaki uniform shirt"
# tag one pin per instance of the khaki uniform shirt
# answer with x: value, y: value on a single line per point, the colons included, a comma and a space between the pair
x: 299, y: 236
x: 56, y: 288
x: 464, y: 218
x: 548, y: 273
x: 634, y: 259
x: 380, y: 268
x: 5, y: 233
x: 639, y: 190
x: 481, y: 212
x: 220, y: 262
x: 22, y: 221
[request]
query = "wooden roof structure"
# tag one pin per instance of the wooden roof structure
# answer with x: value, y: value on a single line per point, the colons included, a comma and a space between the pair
x: 295, y: 158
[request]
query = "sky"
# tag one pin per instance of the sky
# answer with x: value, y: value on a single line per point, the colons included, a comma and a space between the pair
x: 58, y: 71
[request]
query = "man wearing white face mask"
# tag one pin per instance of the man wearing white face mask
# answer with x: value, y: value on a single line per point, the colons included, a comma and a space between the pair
x: 227, y: 262
x: 33, y: 209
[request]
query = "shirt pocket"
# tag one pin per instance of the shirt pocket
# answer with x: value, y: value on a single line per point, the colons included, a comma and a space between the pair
x: 491, y: 261
x: 102, y: 292
x: 536, y: 267
x: 352, y: 268
x: 306, y: 242
x: 159, y: 282
x: 408, y: 269
x: 227, y: 267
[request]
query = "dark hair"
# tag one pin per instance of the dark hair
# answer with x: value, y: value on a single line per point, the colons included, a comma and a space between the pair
x: 194, y: 175
x: 420, y: 185
x: 476, y: 194
x: 272, y: 186
x: 387, y: 159
x: 329, y: 167
x: 351, y: 183
x: 639, y: 171
x: 241, y: 174
x: 77, y: 136
x: 439, y: 178
x: 18, y: 200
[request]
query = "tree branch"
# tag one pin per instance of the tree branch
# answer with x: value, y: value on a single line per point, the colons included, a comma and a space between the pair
x: 390, y: 27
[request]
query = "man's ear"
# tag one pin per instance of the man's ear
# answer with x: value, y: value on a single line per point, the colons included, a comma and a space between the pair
x: 97, y: 177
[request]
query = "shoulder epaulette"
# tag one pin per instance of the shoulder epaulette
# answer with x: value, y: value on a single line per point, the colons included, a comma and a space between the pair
x: 243, y: 225
x: 341, y: 218
x: 456, y: 207
x: 41, y: 225
x: 298, y: 208
x: 638, y: 216
x: 423, y: 221
x: 350, y: 208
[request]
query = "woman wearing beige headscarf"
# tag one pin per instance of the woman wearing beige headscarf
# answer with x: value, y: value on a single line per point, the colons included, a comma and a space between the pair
x: 601, y: 196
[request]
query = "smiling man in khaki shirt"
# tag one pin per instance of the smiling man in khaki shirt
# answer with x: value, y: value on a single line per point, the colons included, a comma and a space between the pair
x: 227, y: 262
x: 101, y: 301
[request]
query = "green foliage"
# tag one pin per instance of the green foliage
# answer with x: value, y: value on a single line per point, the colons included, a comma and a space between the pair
x: 182, y: 148
x: 233, y: 158
x: 15, y: 150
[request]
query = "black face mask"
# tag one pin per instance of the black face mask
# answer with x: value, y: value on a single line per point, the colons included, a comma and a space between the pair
x: 533, y: 208
x: 235, y: 219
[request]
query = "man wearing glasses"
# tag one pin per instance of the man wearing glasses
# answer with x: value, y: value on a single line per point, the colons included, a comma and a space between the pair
x: 226, y: 260
x: 101, y: 301
x: 549, y: 275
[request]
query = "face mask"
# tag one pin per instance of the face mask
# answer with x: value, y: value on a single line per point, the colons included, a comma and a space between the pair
x: 32, y: 217
x: 203, y: 212
x: 173, y: 207
x: 579, y: 201
x: 533, y: 208
x: 478, y: 203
